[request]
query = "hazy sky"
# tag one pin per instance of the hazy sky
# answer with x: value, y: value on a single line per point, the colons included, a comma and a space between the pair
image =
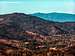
x: 33, y: 6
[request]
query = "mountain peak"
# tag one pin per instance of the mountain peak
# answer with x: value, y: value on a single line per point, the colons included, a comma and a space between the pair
x: 17, y: 13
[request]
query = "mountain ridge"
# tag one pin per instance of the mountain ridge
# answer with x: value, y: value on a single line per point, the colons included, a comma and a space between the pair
x: 12, y: 25
x: 58, y: 17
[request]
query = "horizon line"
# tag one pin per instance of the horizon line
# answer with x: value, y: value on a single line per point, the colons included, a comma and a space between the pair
x: 35, y: 12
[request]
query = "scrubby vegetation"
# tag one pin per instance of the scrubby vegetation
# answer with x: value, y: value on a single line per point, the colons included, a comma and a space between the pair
x: 26, y: 35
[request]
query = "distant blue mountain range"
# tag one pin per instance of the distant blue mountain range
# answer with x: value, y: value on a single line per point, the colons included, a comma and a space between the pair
x: 58, y: 17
